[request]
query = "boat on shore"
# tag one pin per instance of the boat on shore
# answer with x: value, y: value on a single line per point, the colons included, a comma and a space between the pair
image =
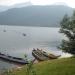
x: 39, y: 56
x: 51, y: 56
x: 13, y: 59
x: 42, y: 55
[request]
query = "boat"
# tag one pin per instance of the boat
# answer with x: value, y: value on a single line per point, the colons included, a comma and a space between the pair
x: 24, y: 34
x: 42, y: 55
x: 51, y: 56
x: 39, y: 56
x: 13, y: 59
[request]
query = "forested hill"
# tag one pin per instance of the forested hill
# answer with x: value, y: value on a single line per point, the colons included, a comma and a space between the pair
x: 48, y: 16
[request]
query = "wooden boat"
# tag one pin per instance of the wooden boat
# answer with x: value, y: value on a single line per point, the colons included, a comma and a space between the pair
x: 39, y: 56
x: 51, y: 56
x: 42, y: 55
x: 13, y: 59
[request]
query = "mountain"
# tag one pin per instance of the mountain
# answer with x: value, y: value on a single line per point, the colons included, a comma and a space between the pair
x: 20, y: 5
x: 3, y: 8
x: 48, y: 16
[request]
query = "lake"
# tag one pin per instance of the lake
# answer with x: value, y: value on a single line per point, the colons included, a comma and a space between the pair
x: 15, y: 43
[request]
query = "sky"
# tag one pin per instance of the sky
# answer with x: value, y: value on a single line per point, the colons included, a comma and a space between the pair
x: 70, y: 3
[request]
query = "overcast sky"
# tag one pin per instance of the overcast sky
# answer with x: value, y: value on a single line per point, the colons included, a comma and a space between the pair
x: 71, y: 3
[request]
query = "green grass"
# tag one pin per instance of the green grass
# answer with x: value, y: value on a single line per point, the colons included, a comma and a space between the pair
x: 64, y: 66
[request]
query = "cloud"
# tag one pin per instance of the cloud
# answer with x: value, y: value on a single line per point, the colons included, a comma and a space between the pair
x: 42, y: 2
x: 71, y: 3
x: 11, y: 2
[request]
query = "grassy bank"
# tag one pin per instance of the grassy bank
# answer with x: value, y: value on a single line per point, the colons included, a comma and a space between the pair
x: 65, y: 66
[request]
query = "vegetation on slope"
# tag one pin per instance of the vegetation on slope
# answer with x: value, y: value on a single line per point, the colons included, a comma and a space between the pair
x: 64, y: 66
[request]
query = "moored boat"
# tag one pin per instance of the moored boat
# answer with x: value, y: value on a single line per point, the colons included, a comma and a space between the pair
x: 13, y: 59
x: 39, y: 56
x: 42, y: 55
x: 51, y: 56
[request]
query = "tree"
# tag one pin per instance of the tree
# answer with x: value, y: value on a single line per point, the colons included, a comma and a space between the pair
x: 68, y: 29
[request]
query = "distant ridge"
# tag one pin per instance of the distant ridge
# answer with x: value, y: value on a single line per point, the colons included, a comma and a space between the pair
x: 20, y: 5
x: 44, y: 16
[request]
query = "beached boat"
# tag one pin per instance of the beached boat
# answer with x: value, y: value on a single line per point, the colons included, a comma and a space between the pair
x: 51, y: 56
x: 42, y: 55
x: 13, y: 59
x: 39, y: 56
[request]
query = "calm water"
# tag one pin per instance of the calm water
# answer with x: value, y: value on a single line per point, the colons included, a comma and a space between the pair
x: 13, y: 42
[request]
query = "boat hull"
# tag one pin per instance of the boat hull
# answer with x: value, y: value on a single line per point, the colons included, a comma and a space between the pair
x: 39, y: 56
x: 13, y: 59
x: 42, y: 55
